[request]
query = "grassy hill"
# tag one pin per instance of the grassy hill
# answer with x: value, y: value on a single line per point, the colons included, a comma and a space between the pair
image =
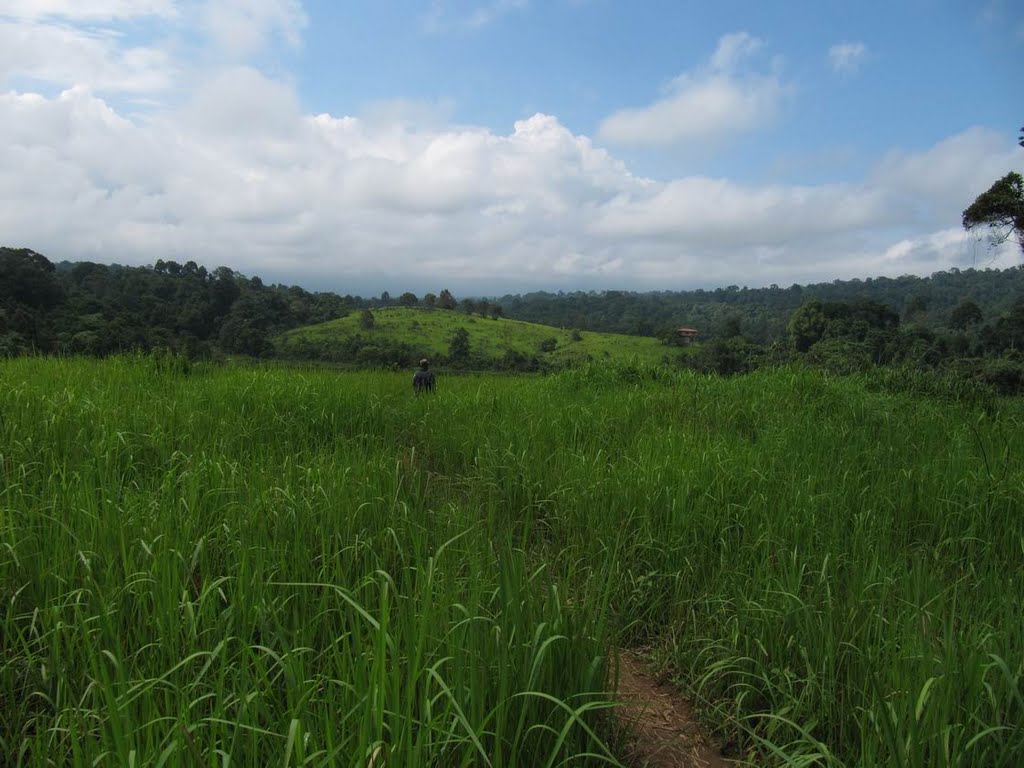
x: 403, y: 335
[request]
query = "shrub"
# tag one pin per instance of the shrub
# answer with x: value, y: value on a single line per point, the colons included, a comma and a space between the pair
x: 725, y: 357
x: 840, y: 356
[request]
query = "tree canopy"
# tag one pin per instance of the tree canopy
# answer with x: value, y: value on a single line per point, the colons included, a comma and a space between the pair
x: 1001, y: 208
x: 98, y: 309
x: 966, y: 314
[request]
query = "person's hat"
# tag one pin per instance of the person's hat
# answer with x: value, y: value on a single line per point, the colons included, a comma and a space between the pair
x: 424, y: 361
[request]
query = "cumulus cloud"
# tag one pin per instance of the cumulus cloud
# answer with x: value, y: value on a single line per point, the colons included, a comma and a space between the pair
x: 237, y: 173
x: 846, y: 58
x: 718, y: 99
x: 241, y: 175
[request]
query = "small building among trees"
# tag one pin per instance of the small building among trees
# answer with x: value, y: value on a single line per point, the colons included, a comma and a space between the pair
x: 686, y: 336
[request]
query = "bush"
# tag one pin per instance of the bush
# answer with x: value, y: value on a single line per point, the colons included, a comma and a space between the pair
x: 954, y: 384
x: 726, y: 357
x: 1004, y: 374
x: 549, y: 344
x: 519, y: 362
x: 840, y: 356
x: 458, y: 347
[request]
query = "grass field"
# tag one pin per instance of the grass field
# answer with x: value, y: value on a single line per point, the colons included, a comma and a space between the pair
x: 249, y: 567
x: 429, y: 332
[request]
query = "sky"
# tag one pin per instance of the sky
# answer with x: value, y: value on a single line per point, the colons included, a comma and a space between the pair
x: 499, y: 146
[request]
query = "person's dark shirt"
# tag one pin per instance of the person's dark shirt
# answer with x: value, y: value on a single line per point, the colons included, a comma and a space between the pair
x: 423, y: 381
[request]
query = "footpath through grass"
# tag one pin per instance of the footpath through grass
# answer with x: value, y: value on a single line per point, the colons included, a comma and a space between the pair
x: 264, y: 567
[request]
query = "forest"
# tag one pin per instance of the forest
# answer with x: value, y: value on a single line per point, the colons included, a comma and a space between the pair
x: 968, y: 324
x: 763, y: 313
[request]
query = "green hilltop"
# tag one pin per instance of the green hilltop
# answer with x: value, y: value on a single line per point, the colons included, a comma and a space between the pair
x: 403, y: 335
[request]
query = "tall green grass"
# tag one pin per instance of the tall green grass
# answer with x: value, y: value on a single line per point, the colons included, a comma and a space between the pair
x: 264, y: 567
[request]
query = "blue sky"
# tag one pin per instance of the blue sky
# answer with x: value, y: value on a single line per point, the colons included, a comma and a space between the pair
x: 934, y: 68
x: 499, y: 145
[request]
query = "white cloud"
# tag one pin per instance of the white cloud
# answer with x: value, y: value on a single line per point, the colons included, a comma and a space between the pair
x: 238, y: 103
x: 739, y: 215
x: 846, y: 58
x: 446, y: 15
x: 240, y: 175
x: 717, y: 100
x: 733, y: 49
x: 942, y: 249
x: 942, y: 180
x: 87, y: 10
x: 241, y: 27
x: 64, y: 55
x: 74, y: 42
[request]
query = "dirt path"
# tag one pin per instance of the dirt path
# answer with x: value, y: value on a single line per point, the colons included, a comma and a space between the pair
x: 665, y: 732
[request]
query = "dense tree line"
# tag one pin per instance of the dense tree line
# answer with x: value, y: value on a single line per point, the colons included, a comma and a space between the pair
x: 98, y: 309
x: 859, y: 336
x: 970, y: 320
x: 763, y: 313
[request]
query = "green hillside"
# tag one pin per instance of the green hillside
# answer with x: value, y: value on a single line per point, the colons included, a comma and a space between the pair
x: 403, y: 335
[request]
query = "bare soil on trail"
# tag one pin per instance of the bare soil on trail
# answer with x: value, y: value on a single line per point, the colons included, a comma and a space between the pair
x: 664, y: 732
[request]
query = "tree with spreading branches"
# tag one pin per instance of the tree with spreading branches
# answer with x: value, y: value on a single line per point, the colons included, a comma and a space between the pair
x: 1001, y: 209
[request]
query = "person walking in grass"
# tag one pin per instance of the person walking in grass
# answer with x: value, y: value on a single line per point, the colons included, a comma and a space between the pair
x: 423, y: 380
